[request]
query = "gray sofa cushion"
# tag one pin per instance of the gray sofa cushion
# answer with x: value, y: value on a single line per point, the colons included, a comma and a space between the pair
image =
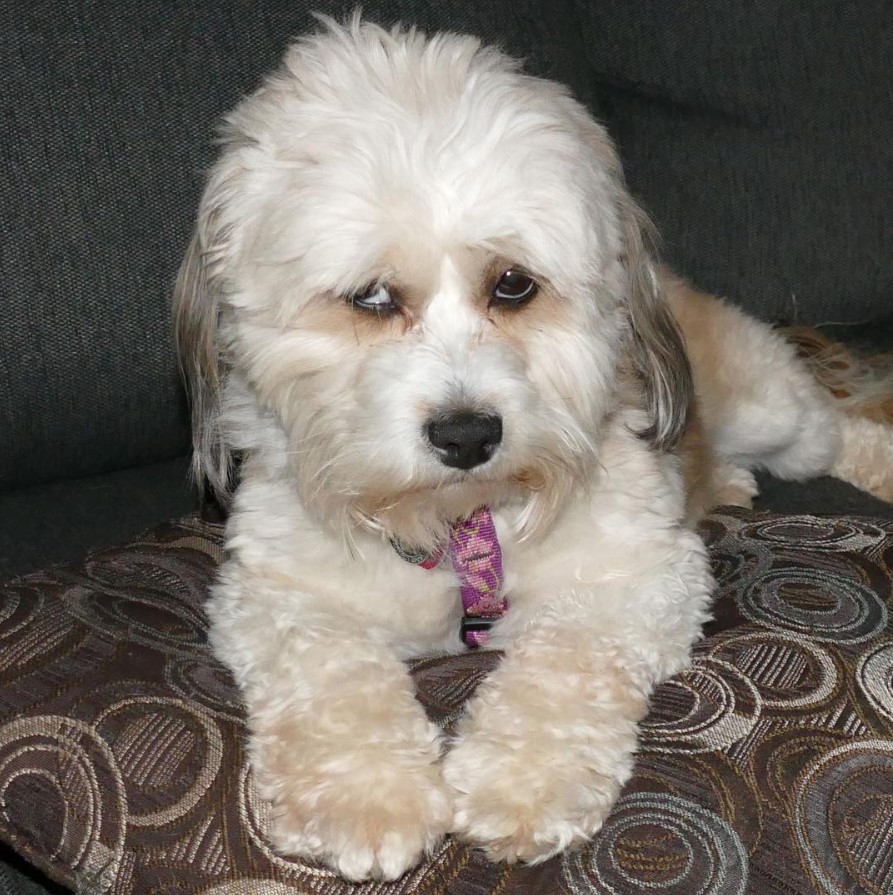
x: 45, y: 525
x: 760, y: 137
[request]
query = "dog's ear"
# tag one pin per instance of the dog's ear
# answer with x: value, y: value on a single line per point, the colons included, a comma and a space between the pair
x: 658, y: 347
x: 196, y: 318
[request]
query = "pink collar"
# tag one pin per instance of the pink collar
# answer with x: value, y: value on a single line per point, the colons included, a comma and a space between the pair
x: 477, y: 561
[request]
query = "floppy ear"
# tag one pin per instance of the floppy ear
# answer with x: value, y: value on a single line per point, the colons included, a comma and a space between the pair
x: 196, y: 313
x: 658, y: 346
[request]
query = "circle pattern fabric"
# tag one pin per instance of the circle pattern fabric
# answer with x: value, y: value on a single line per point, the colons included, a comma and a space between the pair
x: 765, y: 767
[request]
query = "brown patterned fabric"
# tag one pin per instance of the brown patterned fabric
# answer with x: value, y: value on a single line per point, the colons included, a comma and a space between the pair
x: 765, y: 768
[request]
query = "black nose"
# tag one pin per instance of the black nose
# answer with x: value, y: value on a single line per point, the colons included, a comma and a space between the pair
x: 464, y: 440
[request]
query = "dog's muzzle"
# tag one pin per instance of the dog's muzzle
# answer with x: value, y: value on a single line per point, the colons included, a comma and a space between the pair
x: 464, y: 440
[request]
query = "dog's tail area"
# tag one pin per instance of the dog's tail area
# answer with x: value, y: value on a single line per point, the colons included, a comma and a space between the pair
x: 862, y: 388
x: 861, y: 385
x: 866, y: 456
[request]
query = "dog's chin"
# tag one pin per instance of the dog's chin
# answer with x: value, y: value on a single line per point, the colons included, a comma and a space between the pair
x: 420, y: 513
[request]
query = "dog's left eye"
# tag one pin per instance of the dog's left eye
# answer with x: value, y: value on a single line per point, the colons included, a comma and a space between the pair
x: 374, y: 297
x: 514, y: 288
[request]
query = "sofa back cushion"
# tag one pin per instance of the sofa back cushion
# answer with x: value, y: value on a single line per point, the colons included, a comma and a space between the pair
x: 760, y: 138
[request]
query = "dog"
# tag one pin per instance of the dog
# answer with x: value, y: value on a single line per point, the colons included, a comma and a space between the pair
x: 470, y: 411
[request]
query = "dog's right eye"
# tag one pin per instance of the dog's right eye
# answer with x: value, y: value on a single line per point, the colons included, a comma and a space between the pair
x: 514, y: 288
x: 375, y: 297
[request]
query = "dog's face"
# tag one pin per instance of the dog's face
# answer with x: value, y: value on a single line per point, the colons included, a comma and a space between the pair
x: 419, y: 266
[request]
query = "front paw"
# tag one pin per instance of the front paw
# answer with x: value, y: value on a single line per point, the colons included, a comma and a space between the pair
x: 367, y: 816
x: 528, y: 800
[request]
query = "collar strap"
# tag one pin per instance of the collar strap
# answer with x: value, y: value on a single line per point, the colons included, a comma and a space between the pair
x: 477, y: 561
x: 476, y: 557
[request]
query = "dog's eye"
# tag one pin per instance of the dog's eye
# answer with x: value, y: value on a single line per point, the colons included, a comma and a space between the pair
x: 514, y: 288
x: 374, y: 297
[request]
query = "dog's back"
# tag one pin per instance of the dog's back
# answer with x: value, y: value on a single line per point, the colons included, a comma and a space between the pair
x: 764, y: 404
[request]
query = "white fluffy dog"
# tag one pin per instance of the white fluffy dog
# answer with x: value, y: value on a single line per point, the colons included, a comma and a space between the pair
x: 420, y: 307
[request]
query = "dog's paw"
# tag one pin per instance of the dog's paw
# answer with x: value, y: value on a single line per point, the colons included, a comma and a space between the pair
x: 367, y: 819
x: 526, y: 801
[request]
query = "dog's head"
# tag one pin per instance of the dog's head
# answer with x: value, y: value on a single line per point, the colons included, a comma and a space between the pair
x: 415, y: 274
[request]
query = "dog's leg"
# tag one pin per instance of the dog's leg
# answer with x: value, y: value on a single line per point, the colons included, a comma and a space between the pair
x: 549, y: 739
x: 866, y: 459
x: 338, y: 742
x: 761, y: 407
x: 710, y: 480
x: 544, y: 750
x: 734, y: 486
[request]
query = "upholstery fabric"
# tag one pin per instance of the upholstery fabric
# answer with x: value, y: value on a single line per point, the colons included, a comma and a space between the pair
x: 14, y: 880
x: 823, y: 495
x: 47, y: 525
x: 760, y: 138
x: 766, y: 768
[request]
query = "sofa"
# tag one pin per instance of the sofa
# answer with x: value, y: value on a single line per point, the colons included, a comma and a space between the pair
x: 759, y: 137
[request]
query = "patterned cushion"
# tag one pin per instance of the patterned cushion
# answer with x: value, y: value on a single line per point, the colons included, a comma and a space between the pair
x: 765, y: 768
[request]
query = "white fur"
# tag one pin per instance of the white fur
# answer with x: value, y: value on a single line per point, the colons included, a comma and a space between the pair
x: 375, y: 156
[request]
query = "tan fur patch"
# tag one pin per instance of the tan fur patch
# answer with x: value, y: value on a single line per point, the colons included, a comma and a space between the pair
x: 334, y: 315
x: 545, y: 309
x: 862, y: 385
x: 710, y: 482
x: 701, y: 319
x: 866, y: 459
x: 696, y: 462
